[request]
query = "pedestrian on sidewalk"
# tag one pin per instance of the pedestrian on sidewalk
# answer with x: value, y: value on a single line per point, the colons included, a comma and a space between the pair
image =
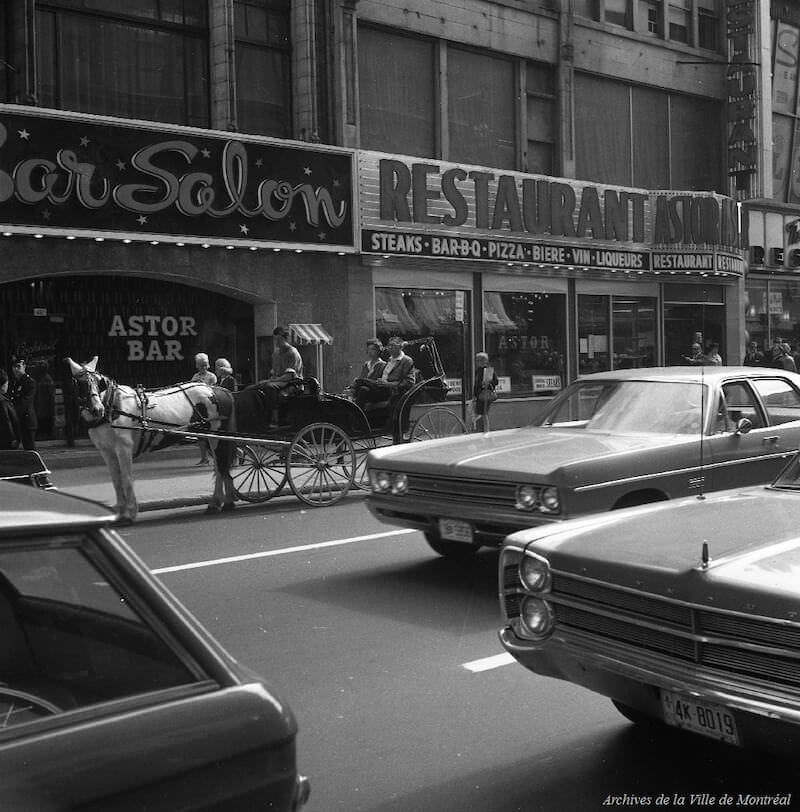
x: 206, y: 376
x: 23, y: 396
x: 224, y: 372
x: 9, y: 422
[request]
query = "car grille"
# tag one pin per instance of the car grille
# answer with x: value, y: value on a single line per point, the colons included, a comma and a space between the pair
x: 496, y: 494
x: 736, y: 646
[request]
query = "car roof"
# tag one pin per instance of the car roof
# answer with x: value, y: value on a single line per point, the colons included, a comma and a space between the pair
x: 24, y: 508
x: 688, y: 373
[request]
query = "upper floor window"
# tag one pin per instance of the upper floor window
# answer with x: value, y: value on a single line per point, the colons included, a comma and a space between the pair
x: 148, y: 60
x: 263, y: 66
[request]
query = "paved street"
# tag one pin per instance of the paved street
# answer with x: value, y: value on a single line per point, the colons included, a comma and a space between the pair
x: 390, y: 659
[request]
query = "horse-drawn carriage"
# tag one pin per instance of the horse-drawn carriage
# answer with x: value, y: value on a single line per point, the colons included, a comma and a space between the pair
x: 328, y: 436
x: 319, y: 444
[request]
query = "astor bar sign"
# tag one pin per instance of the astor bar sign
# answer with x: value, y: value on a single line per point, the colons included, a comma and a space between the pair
x: 422, y: 208
x: 62, y: 173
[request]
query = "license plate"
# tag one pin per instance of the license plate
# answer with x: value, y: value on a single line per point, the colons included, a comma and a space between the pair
x: 454, y: 530
x: 700, y: 717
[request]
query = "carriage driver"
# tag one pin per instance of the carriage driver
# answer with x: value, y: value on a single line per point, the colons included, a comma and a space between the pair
x: 396, y: 378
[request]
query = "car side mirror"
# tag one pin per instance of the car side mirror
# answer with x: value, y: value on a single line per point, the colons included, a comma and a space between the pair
x: 744, y: 426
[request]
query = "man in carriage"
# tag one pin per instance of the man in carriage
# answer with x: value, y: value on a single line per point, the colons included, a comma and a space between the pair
x: 396, y: 378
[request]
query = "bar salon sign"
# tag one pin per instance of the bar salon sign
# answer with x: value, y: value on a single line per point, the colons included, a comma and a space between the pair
x: 67, y: 173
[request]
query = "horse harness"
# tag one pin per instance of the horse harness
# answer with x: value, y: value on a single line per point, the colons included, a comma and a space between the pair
x: 110, y: 389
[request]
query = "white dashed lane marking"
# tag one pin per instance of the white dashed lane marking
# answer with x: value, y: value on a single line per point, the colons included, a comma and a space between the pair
x: 488, y: 663
x: 235, y: 559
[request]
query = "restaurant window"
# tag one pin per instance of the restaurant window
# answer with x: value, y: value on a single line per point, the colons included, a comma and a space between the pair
x: 481, y: 109
x: 772, y: 313
x: 397, y: 96
x: 263, y: 69
x: 148, y: 62
x: 418, y: 313
x: 616, y: 332
x: 689, y: 310
x: 525, y: 338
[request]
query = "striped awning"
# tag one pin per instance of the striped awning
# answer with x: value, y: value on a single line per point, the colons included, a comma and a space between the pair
x: 309, y: 334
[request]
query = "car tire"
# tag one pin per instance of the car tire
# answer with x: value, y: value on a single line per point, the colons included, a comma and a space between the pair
x: 450, y: 549
x: 636, y: 716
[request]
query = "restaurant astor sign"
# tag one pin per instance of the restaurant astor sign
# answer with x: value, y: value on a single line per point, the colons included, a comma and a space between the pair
x: 67, y: 173
x: 433, y: 209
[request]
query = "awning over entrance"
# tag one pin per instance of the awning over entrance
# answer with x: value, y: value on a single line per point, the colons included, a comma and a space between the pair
x: 309, y: 334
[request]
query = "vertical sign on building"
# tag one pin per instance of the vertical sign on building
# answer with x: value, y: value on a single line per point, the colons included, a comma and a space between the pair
x: 742, y: 96
x: 784, y: 103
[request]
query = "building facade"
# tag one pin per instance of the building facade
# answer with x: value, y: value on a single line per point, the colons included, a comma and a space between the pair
x: 553, y: 182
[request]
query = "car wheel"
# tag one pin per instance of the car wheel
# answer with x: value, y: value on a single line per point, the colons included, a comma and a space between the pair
x: 636, y: 716
x: 450, y: 549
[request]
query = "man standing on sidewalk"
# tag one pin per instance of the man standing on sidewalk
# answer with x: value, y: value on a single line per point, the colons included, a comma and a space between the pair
x: 23, y: 394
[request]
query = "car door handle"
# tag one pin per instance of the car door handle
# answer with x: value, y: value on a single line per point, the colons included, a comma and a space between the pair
x: 770, y: 440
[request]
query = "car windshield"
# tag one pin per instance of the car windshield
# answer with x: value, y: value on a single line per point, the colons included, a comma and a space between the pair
x: 652, y: 407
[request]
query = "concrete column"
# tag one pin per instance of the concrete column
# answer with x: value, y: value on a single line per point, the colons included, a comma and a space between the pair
x: 222, y: 65
x: 566, y: 89
x: 345, y: 60
x: 306, y: 124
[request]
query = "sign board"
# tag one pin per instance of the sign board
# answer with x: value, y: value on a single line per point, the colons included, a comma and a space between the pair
x: 546, y: 383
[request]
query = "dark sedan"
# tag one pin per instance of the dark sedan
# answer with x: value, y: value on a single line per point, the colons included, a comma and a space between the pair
x: 610, y: 440
x: 112, y: 696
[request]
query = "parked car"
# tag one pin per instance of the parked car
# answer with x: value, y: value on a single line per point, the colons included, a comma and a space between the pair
x: 685, y: 613
x: 112, y: 696
x: 27, y: 467
x: 609, y: 440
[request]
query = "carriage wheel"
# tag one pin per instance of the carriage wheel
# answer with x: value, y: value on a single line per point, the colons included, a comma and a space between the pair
x: 437, y: 422
x: 322, y: 464
x: 260, y: 474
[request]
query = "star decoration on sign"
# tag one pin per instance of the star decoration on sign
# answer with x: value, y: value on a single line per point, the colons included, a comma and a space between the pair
x: 322, y: 235
x: 84, y: 141
x: 24, y: 134
x: 244, y: 229
x: 121, y: 165
x: 306, y: 170
x: 337, y: 182
x: 46, y: 214
x: 293, y: 226
x: 259, y: 162
x: 141, y: 219
x: 206, y: 153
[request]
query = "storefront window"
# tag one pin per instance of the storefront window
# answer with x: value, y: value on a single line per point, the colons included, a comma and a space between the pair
x: 616, y: 332
x: 593, y: 330
x: 689, y: 310
x: 772, y: 312
x: 417, y: 313
x: 525, y: 340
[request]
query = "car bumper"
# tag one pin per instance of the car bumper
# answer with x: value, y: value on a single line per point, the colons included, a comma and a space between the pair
x: 302, y: 793
x: 766, y: 719
x: 489, y: 528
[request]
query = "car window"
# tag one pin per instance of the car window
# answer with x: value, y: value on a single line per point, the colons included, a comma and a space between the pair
x: 650, y: 407
x: 780, y: 398
x: 71, y: 638
x: 738, y: 402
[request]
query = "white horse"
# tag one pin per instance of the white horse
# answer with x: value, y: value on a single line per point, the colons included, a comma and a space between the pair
x: 125, y: 422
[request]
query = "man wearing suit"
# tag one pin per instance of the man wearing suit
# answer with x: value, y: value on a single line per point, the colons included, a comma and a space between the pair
x: 23, y: 394
x: 396, y: 377
x: 374, y: 365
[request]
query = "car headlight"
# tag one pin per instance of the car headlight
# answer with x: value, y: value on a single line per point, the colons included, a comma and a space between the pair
x: 534, y: 573
x: 536, y: 618
x: 527, y: 497
x: 399, y: 484
x: 381, y: 481
x: 550, y: 502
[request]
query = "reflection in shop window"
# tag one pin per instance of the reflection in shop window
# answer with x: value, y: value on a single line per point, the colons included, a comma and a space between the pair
x: 418, y: 313
x: 525, y: 340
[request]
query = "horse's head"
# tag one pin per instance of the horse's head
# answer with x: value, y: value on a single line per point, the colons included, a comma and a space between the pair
x: 87, y: 383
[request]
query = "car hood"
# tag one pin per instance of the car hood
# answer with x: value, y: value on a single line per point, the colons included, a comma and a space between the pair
x: 533, y: 450
x: 752, y: 537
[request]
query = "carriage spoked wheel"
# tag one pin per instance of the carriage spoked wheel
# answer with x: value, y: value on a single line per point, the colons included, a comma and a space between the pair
x: 321, y: 464
x: 437, y: 422
x: 260, y: 473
